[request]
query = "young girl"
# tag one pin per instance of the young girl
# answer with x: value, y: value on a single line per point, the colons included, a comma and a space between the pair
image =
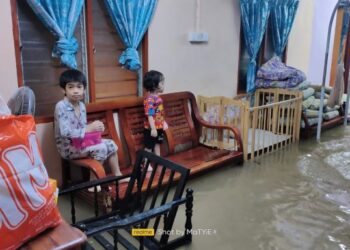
x: 154, y: 123
x: 70, y: 122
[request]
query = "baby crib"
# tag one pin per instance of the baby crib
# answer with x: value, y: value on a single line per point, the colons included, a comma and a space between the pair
x: 268, y: 120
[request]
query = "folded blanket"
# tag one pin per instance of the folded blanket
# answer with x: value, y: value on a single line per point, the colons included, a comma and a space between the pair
x: 274, y: 70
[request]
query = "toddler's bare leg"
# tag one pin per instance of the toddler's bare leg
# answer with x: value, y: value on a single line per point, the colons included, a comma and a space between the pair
x: 157, y: 149
x: 150, y: 168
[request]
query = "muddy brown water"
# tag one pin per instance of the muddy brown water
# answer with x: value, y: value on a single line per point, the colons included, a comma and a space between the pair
x: 294, y: 198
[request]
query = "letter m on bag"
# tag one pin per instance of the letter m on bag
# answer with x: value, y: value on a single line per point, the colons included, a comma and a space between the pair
x: 30, y: 176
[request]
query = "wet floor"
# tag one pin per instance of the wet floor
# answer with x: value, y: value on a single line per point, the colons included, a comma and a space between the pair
x: 295, y: 198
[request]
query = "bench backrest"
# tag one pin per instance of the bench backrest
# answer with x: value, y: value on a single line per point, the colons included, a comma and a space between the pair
x: 131, y: 120
x: 106, y: 116
x: 182, y: 133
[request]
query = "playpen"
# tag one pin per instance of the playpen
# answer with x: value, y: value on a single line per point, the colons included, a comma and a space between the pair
x: 267, y: 120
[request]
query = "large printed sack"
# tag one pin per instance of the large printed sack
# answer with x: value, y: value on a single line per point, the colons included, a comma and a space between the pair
x: 27, y: 204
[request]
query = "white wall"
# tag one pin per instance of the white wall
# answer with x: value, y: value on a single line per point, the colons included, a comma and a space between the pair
x: 8, y: 80
x: 323, y: 10
x: 208, y: 69
x: 299, y: 43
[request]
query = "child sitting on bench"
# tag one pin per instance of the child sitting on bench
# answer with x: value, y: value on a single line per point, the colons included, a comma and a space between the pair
x: 71, y: 124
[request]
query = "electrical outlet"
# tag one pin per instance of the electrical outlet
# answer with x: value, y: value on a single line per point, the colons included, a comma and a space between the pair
x: 198, y: 37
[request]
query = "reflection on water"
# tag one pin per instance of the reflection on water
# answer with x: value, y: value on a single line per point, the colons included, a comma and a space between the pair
x: 297, y: 198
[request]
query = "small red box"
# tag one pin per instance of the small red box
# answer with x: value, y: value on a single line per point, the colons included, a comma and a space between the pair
x: 90, y: 138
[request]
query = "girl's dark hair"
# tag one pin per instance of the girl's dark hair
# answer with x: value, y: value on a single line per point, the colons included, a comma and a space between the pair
x: 72, y: 75
x: 152, y: 79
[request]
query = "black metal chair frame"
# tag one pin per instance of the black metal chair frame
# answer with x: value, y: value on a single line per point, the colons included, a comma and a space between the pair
x: 146, y: 200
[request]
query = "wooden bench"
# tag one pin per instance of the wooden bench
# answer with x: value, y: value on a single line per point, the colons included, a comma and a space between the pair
x: 150, y: 202
x: 182, y: 143
x: 309, y: 131
x: 183, y: 136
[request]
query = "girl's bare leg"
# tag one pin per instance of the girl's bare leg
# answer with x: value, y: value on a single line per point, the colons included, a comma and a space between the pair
x: 92, y: 178
x: 114, y: 165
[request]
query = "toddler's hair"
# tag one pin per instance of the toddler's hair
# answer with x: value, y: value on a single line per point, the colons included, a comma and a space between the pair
x: 152, y: 79
x: 72, y: 75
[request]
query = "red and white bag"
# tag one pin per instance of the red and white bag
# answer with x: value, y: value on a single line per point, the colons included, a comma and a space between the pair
x: 27, y: 204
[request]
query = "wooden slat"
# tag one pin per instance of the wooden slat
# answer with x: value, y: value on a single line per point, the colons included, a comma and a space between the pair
x: 111, y: 80
x: 113, y: 73
x: 16, y: 40
x: 115, y: 89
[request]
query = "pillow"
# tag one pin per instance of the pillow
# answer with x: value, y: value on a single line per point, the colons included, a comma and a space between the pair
x: 318, y: 95
x: 27, y: 201
x: 316, y: 104
x: 330, y: 115
x: 307, y: 93
x: 309, y: 113
x: 301, y: 86
x: 307, y: 103
x: 329, y: 109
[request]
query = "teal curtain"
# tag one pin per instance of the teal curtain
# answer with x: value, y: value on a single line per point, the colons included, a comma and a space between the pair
x: 282, y: 18
x: 131, y: 19
x: 60, y: 17
x: 254, y: 16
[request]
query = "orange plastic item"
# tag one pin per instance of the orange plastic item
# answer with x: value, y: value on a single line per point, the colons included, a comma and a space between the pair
x: 27, y: 205
x: 53, y: 185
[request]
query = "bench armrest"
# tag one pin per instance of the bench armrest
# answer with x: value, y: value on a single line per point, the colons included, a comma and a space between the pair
x: 91, y: 164
x: 115, y: 222
x: 86, y: 185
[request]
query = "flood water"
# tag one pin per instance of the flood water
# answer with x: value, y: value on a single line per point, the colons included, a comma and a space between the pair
x: 294, y: 198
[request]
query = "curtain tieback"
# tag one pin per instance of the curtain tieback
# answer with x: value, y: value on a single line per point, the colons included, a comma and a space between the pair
x: 66, y: 50
x: 130, y: 59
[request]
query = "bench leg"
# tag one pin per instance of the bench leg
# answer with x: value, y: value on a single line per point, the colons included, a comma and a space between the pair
x: 66, y: 176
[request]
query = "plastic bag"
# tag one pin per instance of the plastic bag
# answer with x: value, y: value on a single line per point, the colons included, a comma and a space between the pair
x: 27, y: 203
